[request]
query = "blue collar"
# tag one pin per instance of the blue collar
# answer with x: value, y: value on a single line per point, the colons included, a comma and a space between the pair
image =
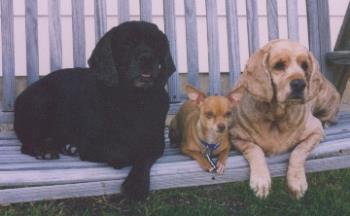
x: 210, y: 146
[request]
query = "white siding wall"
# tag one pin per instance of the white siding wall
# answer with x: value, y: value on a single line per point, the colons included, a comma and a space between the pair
x: 337, y: 11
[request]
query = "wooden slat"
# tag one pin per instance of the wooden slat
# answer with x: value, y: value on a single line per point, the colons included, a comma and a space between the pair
x: 233, y: 42
x: 252, y: 26
x: 55, y: 35
x: 78, y: 175
x: 123, y: 11
x: 78, y: 27
x: 8, y: 59
x: 170, y: 31
x: 6, y: 117
x: 213, y: 48
x: 342, y: 73
x: 192, y: 42
x: 31, y: 26
x: 292, y: 20
x: 272, y: 19
x: 146, y: 10
x: 100, y: 18
x: 175, y: 180
x: 319, y: 32
x: 341, y: 57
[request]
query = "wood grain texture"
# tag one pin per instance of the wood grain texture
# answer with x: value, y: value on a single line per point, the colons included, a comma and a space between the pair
x: 341, y: 57
x: 170, y: 31
x: 213, y: 48
x: 272, y: 19
x: 8, y: 57
x: 55, y: 35
x: 123, y: 11
x: 252, y: 26
x: 192, y: 42
x: 32, y: 52
x: 146, y: 10
x: 78, y: 25
x: 319, y: 32
x: 341, y: 73
x: 233, y: 42
x: 175, y: 180
x: 292, y: 20
x: 100, y: 19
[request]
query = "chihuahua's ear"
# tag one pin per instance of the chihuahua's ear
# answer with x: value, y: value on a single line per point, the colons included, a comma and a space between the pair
x: 235, y: 95
x: 194, y: 94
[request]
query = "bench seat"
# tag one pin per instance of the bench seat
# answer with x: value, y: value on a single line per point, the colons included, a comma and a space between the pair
x: 24, y: 178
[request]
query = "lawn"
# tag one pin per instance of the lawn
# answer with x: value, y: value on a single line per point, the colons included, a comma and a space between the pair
x: 328, y: 194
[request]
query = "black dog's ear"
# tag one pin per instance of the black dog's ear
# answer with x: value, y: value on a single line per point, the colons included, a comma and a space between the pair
x: 103, y: 62
x: 168, y: 67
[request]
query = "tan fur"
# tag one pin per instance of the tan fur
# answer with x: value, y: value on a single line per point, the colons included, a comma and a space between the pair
x: 191, y: 124
x: 268, y: 121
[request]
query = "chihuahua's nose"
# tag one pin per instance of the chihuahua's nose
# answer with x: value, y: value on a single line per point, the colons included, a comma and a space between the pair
x: 221, y: 127
x: 297, y: 85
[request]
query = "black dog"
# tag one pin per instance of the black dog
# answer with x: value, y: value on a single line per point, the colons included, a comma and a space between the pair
x: 113, y: 112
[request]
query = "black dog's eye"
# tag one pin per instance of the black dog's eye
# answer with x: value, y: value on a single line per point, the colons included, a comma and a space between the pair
x: 304, y: 65
x: 280, y: 65
x: 209, y: 115
x: 159, y: 66
x: 228, y: 114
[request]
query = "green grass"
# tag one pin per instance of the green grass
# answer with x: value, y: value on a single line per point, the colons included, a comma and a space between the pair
x: 328, y: 194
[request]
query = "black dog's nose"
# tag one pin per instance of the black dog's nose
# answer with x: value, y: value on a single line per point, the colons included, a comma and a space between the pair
x: 297, y: 85
x: 221, y: 127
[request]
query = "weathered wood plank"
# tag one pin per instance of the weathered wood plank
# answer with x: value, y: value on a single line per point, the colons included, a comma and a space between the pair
x: 146, y: 10
x: 8, y: 58
x: 342, y: 73
x: 213, y: 48
x: 100, y: 18
x: 319, y: 32
x: 6, y: 117
x: 32, y: 53
x: 192, y: 42
x: 341, y: 57
x: 292, y: 20
x: 252, y: 26
x: 233, y: 42
x: 272, y: 19
x: 174, y: 180
x: 55, y: 35
x: 78, y: 26
x: 182, y: 165
x: 170, y: 31
x: 123, y: 11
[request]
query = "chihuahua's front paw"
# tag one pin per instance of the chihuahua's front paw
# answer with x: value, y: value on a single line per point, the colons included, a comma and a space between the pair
x: 297, y: 184
x: 260, y: 184
x: 220, y: 168
x: 136, y: 187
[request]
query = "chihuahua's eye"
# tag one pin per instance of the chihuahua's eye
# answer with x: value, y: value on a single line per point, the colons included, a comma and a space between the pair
x: 228, y: 114
x: 280, y: 65
x: 304, y: 65
x: 209, y: 115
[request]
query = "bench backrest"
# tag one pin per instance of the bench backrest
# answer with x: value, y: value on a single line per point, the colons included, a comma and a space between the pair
x: 318, y: 36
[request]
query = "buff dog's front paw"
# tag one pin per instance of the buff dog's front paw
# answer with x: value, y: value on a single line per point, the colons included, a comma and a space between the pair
x: 260, y: 184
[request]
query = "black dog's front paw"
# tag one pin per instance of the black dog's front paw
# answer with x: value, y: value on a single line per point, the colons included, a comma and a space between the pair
x: 136, y: 187
x: 70, y: 150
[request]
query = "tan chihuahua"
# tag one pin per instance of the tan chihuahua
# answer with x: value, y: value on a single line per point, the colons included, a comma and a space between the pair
x: 201, y: 128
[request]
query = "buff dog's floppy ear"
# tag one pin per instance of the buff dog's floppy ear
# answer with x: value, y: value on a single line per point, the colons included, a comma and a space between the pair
x: 313, y: 77
x: 256, y: 78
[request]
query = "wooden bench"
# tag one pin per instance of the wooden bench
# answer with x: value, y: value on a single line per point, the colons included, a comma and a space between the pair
x: 23, y: 178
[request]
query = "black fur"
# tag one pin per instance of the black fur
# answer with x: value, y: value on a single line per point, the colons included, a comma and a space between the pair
x: 110, y: 111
